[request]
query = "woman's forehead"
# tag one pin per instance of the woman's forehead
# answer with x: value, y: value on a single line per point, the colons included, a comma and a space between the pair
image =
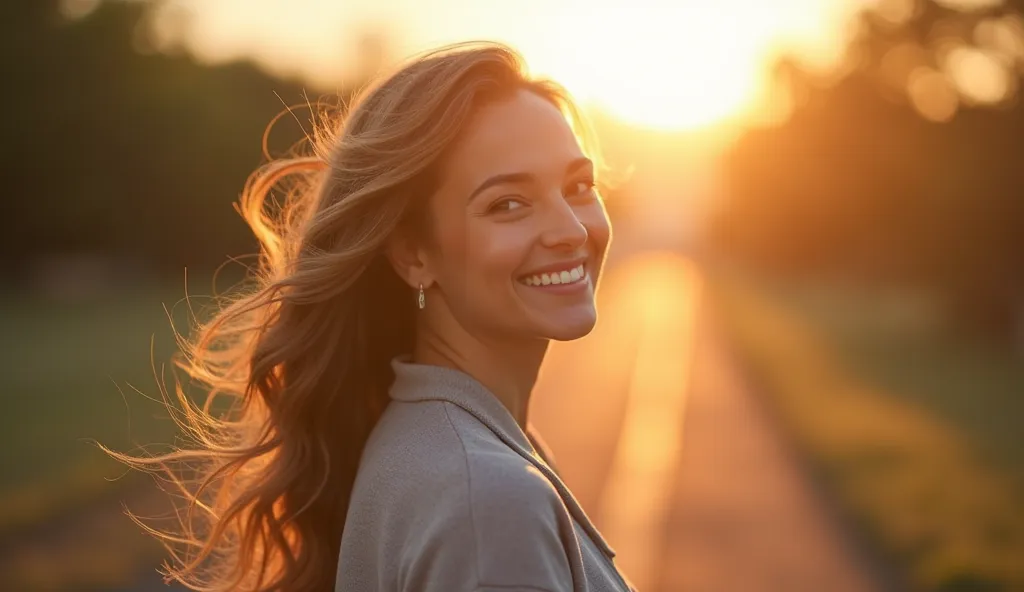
x: 525, y: 133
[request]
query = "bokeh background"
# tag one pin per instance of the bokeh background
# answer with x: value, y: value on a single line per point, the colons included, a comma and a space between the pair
x: 809, y: 369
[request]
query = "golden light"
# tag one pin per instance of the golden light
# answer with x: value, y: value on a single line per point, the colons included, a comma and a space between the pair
x: 680, y: 65
x: 76, y: 9
x: 931, y: 94
x: 980, y: 76
x: 652, y: 63
x: 968, y: 5
x: 658, y: 64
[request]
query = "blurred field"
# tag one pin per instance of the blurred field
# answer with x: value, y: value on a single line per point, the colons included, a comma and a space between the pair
x: 67, y: 363
x: 916, y: 431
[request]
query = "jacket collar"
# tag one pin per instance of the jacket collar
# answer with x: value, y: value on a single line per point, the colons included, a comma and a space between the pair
x: 423, y: 382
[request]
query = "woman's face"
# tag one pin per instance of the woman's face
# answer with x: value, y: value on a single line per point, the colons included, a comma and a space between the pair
x: 520, y: 231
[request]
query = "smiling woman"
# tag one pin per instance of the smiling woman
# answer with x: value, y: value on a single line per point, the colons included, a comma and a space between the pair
x: 381, y: 370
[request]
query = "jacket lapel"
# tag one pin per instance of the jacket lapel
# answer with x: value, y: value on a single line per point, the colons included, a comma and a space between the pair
x: 422, y: 382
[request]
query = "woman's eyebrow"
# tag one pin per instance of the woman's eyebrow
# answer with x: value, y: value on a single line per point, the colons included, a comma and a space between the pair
x: 521, y: 177
x: 578, y: 163
x: 501, y: 180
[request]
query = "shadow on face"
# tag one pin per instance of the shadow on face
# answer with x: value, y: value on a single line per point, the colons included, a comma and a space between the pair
x: 520, y: 230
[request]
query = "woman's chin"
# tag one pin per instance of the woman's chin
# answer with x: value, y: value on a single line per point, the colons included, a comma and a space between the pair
x: 570, y: 326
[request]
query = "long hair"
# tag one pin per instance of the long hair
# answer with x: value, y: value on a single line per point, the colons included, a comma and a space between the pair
x: 302, y: 355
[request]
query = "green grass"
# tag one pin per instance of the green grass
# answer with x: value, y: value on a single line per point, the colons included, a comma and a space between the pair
x: 70, y: 369
x: 916, y: 432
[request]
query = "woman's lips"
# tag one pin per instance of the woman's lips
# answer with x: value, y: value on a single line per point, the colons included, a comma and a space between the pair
x: 562, y: 281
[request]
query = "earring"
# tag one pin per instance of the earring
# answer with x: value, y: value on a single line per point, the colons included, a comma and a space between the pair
x: 423, y: 298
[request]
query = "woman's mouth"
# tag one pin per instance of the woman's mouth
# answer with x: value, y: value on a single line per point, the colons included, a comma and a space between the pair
x: 564, y: 277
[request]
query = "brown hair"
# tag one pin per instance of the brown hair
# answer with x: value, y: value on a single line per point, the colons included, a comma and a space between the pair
x: 304, y: 355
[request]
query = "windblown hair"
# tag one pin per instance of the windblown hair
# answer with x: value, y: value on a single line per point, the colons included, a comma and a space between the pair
x: 303, y: 355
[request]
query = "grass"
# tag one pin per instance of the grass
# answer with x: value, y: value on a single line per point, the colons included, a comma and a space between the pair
x: 916, y: 433
x: 71, y: 367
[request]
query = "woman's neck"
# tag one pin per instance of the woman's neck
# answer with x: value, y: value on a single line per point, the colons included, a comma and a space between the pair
x: 507, y: 370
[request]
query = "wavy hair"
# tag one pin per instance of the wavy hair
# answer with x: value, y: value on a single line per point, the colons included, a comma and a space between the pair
x: 302, y: 354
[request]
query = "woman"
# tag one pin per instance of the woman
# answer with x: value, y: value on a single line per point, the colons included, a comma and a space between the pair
x: 408, y: 290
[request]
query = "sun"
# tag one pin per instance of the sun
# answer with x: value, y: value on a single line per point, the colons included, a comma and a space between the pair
x: 663, y: 64
x: 658, y: 64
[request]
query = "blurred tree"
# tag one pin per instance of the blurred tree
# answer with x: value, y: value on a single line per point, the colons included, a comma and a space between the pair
x: 115, y: 151
x: 905, y: 169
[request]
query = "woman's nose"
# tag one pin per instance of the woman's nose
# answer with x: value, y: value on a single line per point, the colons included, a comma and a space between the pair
x: 562, y: 227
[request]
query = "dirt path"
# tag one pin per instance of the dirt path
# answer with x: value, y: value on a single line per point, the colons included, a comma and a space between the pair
x: 746, y: 516
x: 662, y: 444
x: 670, y: 455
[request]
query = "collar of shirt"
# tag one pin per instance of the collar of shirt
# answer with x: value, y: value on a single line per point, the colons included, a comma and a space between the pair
x: 423, y: 382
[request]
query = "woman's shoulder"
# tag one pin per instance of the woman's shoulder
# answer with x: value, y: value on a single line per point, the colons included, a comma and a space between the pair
x: 430, y: 446
x: 436, y: 458
x: 507, y: 526
x: 433, y: 447
x: 446, y: 495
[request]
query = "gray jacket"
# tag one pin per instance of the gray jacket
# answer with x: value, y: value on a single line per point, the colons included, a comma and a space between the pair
x: 452, y: 496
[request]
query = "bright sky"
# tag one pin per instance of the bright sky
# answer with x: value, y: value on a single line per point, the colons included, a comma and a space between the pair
x: 656, y: 63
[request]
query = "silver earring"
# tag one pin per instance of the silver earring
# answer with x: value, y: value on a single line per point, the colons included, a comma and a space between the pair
x: 423, y: 298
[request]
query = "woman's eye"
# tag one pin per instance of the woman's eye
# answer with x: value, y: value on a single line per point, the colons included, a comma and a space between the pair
x: 581, y: 187
x: 506, y: 205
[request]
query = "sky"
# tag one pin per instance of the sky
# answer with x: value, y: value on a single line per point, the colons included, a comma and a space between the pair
x: 653, y: 63
x: 658, y: 67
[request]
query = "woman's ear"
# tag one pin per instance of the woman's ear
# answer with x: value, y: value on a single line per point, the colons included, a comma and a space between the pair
x: 408, y: 260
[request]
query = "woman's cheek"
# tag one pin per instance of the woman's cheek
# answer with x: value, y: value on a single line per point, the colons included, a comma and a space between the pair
x: 502, y: 248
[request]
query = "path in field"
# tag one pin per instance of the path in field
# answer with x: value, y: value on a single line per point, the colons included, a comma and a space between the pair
x: 660, y: 441
x: 670, y: 455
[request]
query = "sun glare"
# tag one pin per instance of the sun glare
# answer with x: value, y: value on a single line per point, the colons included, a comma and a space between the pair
x: 660, y: 65
x: 651, y: 63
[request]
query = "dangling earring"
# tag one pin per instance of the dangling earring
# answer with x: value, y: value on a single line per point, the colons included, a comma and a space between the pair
x: 423, y: 298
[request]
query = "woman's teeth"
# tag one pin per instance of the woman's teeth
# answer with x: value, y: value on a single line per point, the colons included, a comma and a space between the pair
x: 568, y: 276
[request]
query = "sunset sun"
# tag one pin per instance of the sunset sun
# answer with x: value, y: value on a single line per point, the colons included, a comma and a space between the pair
x: 657, y: 66
x: 650, y: 63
